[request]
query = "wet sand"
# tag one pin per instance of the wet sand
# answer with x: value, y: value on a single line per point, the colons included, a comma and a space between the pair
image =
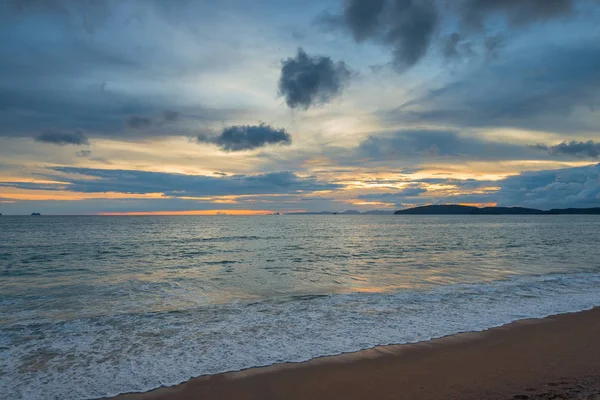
x: 552, y: 358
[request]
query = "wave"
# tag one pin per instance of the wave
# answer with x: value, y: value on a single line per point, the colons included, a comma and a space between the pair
x: 103, y: 356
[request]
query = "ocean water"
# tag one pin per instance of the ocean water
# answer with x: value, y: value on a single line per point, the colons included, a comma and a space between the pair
x: 92, y: 307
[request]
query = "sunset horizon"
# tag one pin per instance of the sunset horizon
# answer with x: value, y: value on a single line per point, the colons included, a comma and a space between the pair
x: 299, y: 199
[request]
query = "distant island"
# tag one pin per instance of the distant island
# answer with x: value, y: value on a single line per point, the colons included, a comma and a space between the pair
x: 35, y: 214
x: 347, y: 212
x: 454, y: 209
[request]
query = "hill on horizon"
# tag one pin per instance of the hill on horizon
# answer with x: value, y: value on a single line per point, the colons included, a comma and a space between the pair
x: 457, y: 209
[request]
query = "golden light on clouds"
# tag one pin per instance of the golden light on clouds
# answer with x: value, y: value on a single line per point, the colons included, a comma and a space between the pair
x: 182, y: 157
x: 31, y: 195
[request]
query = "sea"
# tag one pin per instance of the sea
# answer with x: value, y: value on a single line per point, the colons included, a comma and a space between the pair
x: 92, y: 307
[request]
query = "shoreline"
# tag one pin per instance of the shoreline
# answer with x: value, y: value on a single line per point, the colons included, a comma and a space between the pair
x: 553, y: 356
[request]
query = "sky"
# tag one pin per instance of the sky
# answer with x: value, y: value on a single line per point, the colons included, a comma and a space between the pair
x: 255, y: 107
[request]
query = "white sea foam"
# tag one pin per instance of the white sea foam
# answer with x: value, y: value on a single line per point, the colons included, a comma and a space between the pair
x: 97, y: 357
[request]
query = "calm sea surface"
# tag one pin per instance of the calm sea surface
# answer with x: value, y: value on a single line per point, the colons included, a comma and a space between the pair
x: 97, y: 306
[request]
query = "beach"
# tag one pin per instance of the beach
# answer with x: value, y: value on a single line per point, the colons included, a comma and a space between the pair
x: 557, y: 357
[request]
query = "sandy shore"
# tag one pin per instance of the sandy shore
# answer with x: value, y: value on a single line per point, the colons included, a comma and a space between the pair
x: 553, y: 358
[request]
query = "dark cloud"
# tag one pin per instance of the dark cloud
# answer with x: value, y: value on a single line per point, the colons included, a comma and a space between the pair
x: 247, y: 137
x: 570, y: 187
x: 412, y: 191
x: 516, y: 12
x: 170, y: 115
x: 138, y: 122
x: 63, y: 138
x: 90, y: 180
x: 363, y: 17
x: 456, y: 47
x: 554, y: 89
x: 409, y: 27
x: 431, y: 143
x: 573, y: 148
x: 308, y: 81
x: 406, y: 26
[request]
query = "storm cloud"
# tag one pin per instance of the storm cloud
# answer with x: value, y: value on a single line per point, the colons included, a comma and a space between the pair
x: 308, y: 81
x: 63, y: 138
x: 247, y: 137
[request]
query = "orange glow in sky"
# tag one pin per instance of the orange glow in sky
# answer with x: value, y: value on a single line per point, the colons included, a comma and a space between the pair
x: 192, y: 212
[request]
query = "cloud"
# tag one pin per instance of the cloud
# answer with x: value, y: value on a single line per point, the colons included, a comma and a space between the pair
x: 397, y: 196
x: 456, y: 47
x: 410, y: 27
x: 170, y: 115
x: 492, y: 44
x: 308, y: 81
x: 431, y: 143
x: 516, y: 12
x: 573, y: 148
x: 561, y: 188
x: 91, y: 15
x: 138, y: 122
x: 450, y: 49
x: 405, y: 26
x: 63, y: 138
x: 570, y: 187
x: 54, y: 76
x: 247, y: 137
x: 89, y: 180
x: 550, y: 88
x: 363, y: 17
x: 83, y: 153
